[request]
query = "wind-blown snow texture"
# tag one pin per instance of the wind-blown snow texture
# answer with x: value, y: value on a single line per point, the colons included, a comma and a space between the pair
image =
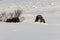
x: 28, y: 29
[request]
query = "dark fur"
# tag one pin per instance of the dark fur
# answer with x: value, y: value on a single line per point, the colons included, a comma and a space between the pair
x: 39, y: 17
x: 16, y: 19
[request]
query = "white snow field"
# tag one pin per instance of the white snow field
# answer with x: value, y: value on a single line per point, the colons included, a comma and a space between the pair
x: 28, y: 29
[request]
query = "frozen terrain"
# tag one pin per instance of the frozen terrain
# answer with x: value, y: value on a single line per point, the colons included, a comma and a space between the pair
x: 28, y: 29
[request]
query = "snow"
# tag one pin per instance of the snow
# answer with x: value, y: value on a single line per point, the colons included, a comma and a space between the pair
x: 28, y: 29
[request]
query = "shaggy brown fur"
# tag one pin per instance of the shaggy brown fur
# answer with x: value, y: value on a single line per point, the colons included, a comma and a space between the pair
x: 39, y: 17
x: 16, y: 19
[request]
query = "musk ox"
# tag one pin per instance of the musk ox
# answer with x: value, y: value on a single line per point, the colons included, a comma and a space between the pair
x: 40, y: 19
x: 16, y: 19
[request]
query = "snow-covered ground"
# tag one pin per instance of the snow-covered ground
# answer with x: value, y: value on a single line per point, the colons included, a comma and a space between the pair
x: 28, y: 29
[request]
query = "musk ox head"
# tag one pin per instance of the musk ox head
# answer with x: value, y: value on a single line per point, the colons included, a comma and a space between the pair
x: 39, y: 18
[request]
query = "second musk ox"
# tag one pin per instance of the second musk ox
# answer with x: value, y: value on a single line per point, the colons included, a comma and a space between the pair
x: 15, y: 18
x: 40, y: 19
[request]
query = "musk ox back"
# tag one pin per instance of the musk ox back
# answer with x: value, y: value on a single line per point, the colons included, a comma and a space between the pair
x: 40, y: 19
x: 16, y: 19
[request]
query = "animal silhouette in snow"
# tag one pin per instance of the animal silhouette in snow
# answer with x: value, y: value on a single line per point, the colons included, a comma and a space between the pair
x: 40, y: 19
